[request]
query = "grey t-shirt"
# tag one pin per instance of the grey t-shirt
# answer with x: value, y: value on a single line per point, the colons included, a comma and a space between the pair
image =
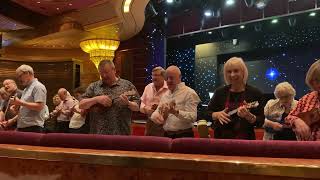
x: 35, y: 92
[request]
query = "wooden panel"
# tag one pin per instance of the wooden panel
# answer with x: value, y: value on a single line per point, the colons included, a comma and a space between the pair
x: 165, y: 174
x: 35, y: 162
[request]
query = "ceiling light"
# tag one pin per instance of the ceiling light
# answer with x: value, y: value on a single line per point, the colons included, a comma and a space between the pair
x: 169, y: 1
x: 260, y: 4
x: 230, y: 2
x: 242, y: 27
x: 58, y: 9
x: 126, y: 6
x: 209, y: 32
x: 38, y: 2
x: 99, y: 49
x: 274, y: 21
x: 70, y: 4
x: 208, y: 13
x: 312, y: 14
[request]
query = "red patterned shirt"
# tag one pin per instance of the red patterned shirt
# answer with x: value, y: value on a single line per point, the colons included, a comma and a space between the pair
x: 307, y: 103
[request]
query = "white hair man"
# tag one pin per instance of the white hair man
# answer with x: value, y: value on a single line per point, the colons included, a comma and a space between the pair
x: 32, y: 102
x: 177, y: 110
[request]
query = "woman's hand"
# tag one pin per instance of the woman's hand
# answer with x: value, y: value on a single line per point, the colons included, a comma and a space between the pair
x: 302, y: 129
x: 221, y: 116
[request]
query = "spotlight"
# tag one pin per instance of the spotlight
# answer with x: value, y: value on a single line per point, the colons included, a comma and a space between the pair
x: 209, y: 32
x: 274, y: 21
x: 169, y: 1
x: 208, y: 13
x: 260, y: 4
x: 242, y: 27
x: 312, y: 14
x: 230, y: 2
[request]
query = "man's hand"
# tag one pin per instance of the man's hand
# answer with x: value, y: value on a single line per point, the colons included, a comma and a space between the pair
x: 148, y: 110
x: 14, y: 109
x: 124, y: 100
x: 16, y: 101
x: 158, y: 118
x: 104, y: 100
x: 8, y: 123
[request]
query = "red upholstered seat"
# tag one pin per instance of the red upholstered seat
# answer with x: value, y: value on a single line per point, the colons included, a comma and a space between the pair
x: 107, y: 142
x: 255, y: 148
x: 21, y: 138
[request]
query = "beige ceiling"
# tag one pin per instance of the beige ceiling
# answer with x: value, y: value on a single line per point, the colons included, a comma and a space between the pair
x: 99, y: 20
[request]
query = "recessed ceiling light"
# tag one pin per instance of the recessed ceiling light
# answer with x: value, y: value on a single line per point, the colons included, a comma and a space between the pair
x: 312, y: 14
x: 58, y: 9
x: 38, y: 2
x: 70, y: 4
x: 230, y: 2
x: 208, y: 13
x: 169, y: 1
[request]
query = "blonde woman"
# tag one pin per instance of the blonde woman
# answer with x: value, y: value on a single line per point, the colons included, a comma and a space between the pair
x: 308, y: 130
x: 276, y: 110
x: 235, y: 95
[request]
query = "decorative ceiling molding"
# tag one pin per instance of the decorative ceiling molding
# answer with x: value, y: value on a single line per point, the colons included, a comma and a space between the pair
x: 21, y: 14
x: 56, y: 7
x: 8, y: 24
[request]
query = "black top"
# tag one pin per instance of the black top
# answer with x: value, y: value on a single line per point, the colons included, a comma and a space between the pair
x: 238, y: 128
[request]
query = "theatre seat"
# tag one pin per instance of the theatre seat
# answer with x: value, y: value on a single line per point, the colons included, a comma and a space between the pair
x: 20, y: 138
x: 253, y: 148
x: 107, y: 142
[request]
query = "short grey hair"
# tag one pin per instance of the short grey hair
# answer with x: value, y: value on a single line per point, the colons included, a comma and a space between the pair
x: 284, y: 88
x: 313, y: 74
x: 105, y: 62
x: 240, y: 63
x: 24, y: 69
x: 159, y: 68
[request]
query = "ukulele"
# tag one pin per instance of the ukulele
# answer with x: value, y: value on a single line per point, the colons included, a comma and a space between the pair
x: 251, y: 105
x: 131, y: 94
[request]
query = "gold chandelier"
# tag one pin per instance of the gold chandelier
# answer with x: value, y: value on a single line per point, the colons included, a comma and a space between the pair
x: 100, y: 49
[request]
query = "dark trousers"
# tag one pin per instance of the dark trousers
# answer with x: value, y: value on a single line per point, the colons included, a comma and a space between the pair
x: 36, y: 129
x: 179, y: 134
x: 285, y: 134
x: 153, y: 129
x: 62, y: 127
